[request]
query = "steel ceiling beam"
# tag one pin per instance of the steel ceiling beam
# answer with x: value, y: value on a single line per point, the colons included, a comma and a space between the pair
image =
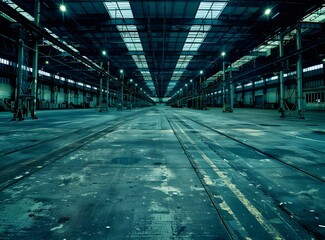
x: 102, y: 20
x: 43, y: 33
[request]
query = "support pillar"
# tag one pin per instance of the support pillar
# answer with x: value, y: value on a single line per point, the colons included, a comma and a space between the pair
x: 299, y: 74
x: 281, y: 54
x: 192, y: 94
x: 17, y: 113
x: 224, y: 101
x: 122, y: 88
x: 107, y: 87
x: 231, y: 86
x: 100, y: 90
x: 35, y: 62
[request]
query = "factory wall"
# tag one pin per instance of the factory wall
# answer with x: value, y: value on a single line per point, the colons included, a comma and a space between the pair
x: 265, y: 93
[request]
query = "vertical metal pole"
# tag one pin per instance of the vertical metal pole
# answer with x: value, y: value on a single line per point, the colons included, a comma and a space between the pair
x: 100, y: 90
x: 224, y: 108
x: 231, y: 91
x: 281, y: 54
x: 18, y: 103
x: 199, y: 99
x: 107, y: 87
x: 122, y: 86
x: 35, y: 61
x: 299, y: 74
x: 192, y: 93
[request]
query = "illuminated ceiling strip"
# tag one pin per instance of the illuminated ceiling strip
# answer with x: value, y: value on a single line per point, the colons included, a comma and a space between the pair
x: 243, y: 60
x: 210, y: 10
x: 130, y: 36
x: 317, y: 16
x: 198, y: 33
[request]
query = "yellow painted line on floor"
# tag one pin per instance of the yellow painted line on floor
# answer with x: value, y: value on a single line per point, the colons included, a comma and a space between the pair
x: 224, y: 206
x: 241, y: 197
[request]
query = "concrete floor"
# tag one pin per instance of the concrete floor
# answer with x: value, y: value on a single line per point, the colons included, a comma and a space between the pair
x: 162, y: 173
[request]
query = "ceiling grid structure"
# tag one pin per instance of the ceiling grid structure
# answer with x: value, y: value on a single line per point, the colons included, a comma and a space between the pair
x: 162, y: 45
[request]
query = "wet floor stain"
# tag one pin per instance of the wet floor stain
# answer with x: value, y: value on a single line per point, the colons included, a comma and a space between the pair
x: 63, y: 219
x: 319, y: 132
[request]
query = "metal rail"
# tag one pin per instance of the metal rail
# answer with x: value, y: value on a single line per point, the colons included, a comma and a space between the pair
x: 14, y: 170
x: 200, y: 177
x: 257, y: 150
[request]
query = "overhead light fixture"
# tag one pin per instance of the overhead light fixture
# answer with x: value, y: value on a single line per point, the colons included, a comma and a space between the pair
x: 223, y: 54
x: 63, y: 8
x: 201, y: 72
x: 47, y: 62
x: 267, y: 11
x: 104, y: 53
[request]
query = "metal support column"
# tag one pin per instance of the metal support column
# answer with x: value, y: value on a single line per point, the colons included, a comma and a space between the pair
x: 122, y: 89
x: 100, y: 90
x: 299, y: 74
x: 231, y: 86
x: 192, y: 81
x: 18, y: 101
x: 107, y: 88
x: 200, y: 98
x: 281, y: 54
x: 35, y: 61
x: 107, y: 94
x: 224, y: 101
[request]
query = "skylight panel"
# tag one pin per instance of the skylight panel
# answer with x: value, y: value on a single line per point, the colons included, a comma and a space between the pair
x: 210, y: 10
x: 318, y: 16
x: 195, y: 46
x: 240, y: 62
x: 140, y: 61
x: 130, y: 37
x: 18, y: 9
x: 202, y: 14
x: 118, y: 10
x: 183, y: 61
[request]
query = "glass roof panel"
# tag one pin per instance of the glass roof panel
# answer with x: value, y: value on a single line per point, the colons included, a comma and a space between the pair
x: 119, y: 9
x: 210, y: 10
x: 318, y: 16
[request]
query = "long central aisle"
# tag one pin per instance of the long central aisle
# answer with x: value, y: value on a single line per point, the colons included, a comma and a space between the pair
x: 162, y: 173
x: 133, y: 183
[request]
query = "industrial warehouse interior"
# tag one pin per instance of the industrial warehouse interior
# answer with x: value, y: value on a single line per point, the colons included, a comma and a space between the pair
x: 132, y: 119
